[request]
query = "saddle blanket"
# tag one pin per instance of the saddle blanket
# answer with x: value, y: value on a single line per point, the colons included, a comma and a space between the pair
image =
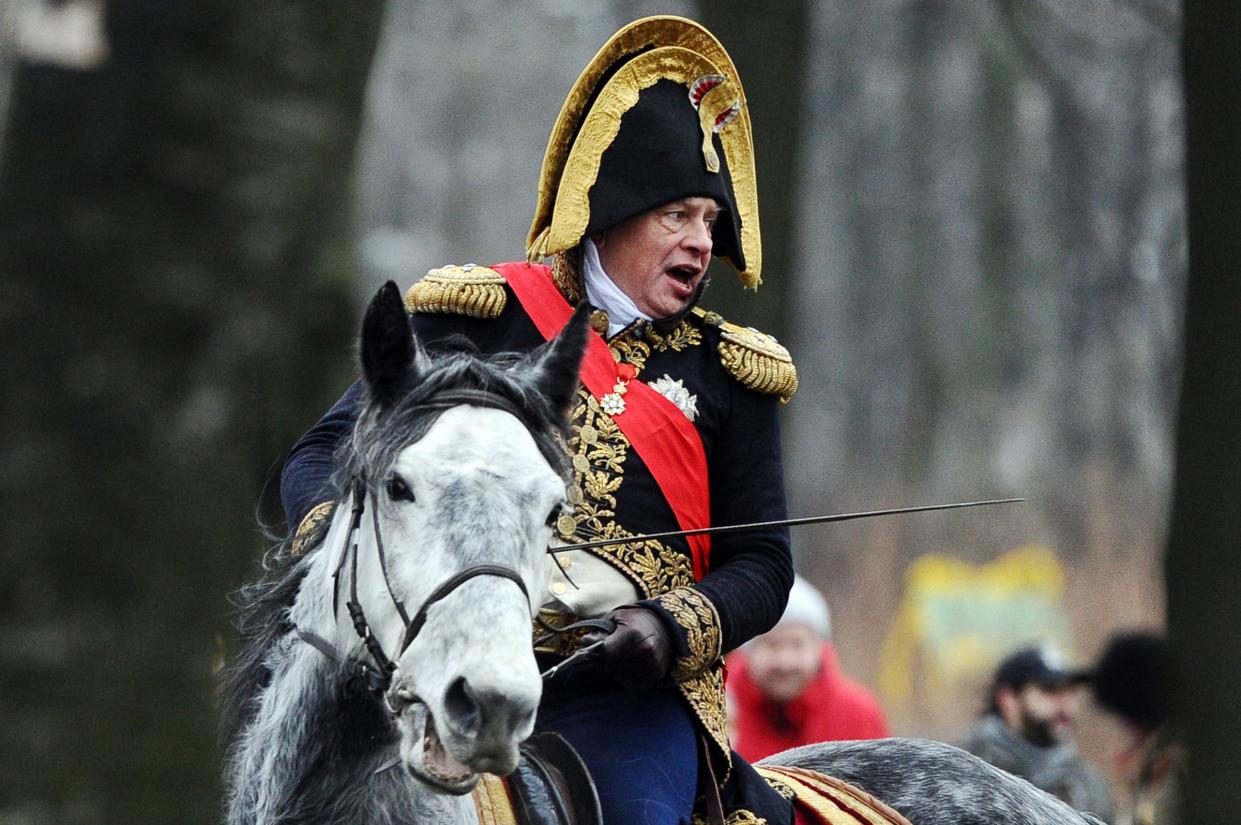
x: 492, y: 801
x: 817, y: 800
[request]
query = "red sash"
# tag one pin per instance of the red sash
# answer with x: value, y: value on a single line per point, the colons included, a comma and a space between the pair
x: 663, y: 436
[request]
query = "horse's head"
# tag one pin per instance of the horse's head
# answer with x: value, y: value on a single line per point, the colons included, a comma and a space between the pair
x: 464, y: 473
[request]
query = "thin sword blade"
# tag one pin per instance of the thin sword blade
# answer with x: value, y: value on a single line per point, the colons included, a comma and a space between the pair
x: 789, y: 522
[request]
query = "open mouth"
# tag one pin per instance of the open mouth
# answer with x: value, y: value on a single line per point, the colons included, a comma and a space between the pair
x: 682, y: 278
x: 432, y: 763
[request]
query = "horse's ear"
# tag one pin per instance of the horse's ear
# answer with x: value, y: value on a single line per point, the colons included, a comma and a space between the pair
x: 389, y: 346
x: 557, y: 362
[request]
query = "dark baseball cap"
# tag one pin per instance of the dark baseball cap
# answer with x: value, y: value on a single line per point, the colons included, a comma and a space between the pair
x: 1043, y: 666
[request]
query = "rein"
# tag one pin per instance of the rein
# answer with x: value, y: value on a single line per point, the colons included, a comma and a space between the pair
x: 378, y: 675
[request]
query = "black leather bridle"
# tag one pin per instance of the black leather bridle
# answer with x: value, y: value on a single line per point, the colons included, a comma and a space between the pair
x: 378, y: 674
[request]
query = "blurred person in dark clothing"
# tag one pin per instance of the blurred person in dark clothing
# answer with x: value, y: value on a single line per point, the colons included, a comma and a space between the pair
x: 786, y: 688
x: 1027, y: 729
x: 1133, y: 681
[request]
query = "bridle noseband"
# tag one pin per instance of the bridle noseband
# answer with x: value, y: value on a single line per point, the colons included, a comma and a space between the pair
x: 379, y: 677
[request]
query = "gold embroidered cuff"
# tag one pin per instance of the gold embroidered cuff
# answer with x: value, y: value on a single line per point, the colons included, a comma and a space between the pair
x: 697, y: 617
x: 310, y: 526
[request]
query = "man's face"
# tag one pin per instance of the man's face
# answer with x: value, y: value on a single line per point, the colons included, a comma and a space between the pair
x: 1042, y: 715
x: 783, y: 661
x: 660, y: 257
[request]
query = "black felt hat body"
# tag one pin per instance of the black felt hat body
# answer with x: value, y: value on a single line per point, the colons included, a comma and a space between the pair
x: 656, y: 159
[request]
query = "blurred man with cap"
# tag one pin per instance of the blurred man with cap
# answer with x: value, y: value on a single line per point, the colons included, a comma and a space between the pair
x: 787, y: 689
x: 1028, y: 729
x: 649, y: 174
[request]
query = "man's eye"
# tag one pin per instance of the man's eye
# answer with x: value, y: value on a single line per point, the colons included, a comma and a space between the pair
x: 673, y: 219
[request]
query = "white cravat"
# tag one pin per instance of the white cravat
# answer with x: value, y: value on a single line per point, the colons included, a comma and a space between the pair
x: 602, y: 292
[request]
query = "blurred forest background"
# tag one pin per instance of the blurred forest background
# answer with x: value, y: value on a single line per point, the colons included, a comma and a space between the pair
x: 975, y: 237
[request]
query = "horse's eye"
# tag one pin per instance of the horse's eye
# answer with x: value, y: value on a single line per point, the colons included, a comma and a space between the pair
x: 398, y: 490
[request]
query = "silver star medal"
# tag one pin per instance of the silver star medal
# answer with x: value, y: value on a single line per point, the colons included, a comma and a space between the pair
x: 674, y: 390
x: 614, y: 402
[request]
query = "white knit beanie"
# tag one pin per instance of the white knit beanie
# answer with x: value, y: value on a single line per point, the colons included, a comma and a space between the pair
x: 807, y: 606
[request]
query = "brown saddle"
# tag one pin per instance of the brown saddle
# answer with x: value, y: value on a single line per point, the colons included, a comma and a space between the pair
x: 551, y: 786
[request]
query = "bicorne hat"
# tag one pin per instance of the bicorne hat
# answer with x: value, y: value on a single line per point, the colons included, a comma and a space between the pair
x: 658, y: 115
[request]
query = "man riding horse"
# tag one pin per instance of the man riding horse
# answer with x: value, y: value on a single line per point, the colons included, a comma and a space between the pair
x: 649, y: 172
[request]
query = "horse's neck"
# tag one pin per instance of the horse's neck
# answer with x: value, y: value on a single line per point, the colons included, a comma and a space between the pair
x: 310, y: 754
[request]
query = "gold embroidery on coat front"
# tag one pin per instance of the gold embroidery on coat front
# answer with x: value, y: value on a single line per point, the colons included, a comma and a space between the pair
x: 598, y: 450
x: 626, y: 347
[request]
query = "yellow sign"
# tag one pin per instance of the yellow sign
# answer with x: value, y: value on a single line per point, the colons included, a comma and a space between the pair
x: 963, y: 619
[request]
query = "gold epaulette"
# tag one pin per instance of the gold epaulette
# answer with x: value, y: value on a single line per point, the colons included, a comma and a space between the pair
x: 470, y: 290
x: 756, y: 360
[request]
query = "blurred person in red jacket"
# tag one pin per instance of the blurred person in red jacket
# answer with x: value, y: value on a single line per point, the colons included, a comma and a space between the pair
x: 786, y: 687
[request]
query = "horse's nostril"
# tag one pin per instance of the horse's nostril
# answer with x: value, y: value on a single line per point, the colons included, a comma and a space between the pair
x: 462, y: 707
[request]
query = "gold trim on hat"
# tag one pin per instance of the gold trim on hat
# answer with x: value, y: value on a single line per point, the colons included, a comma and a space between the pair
x: 684, y: 52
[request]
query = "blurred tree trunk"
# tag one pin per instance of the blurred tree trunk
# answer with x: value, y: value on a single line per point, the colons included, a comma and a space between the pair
x: 174, y: 296
x: 768, y: 44
x: 1203, y: 567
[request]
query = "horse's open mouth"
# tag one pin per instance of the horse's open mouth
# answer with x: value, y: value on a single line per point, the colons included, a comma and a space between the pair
x: 432, y: 763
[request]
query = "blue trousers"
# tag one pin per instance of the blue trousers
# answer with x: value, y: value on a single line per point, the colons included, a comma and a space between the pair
x: 640, y: 746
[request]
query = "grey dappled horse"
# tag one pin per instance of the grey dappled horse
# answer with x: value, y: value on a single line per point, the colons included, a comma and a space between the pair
x: 390, y: 663
x: 932, y: 783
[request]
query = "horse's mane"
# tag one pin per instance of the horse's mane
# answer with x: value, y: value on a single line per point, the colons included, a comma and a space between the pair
x: 380, y: 433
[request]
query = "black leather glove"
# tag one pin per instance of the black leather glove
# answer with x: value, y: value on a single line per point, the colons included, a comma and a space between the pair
x: 639, y: 652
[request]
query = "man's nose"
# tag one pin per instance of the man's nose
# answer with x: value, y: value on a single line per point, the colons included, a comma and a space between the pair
x: 698, y: 238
